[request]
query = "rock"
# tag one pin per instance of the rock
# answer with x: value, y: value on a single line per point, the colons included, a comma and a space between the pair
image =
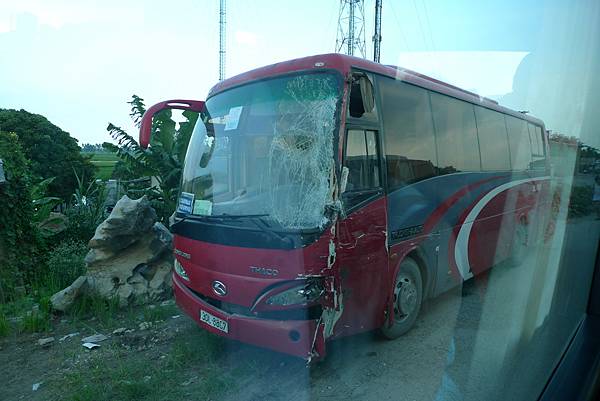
x: 130, y: 258
x: 140, y: 271
x: 62, y: 300
x: 145, y: 325
x: 128, y: 219
x: 96, y: 338
x: 45, y: 342
x: 120, y: 331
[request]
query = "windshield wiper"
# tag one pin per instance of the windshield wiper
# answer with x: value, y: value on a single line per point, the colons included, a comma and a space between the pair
x: 198, y: 217
x: 235, y: 216
x: 186, y: 217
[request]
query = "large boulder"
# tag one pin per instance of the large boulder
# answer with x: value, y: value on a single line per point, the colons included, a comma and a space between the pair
x: 127, y: 221
x: 129, y: 258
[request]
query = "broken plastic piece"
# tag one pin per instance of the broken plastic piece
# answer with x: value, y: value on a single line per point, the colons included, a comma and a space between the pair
x: 94, y: 338
x: 90, y: 345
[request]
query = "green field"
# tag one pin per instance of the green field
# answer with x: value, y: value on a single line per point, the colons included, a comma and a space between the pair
x: 105, y: 162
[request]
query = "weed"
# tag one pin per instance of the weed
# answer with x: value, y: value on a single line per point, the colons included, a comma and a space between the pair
x: 36, y: 322
x: 156, y: 314
x: 4, y: 326
x: 93, y: 305
x: 202, y: 346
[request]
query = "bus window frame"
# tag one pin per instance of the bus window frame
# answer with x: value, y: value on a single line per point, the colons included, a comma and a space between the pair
x: 375, y: 192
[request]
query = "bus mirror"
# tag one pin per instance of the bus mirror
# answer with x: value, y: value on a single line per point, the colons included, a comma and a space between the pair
x: 147, y: 118
x: 366, y: 93
x: 344, y: 179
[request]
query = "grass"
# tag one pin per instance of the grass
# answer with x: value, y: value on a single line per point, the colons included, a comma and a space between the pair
x: 159, y: 313
x: 4, y: 325
x: 105, y: 162
x: 93, y: 305
x: 189, y: 368
x: 36, y: 322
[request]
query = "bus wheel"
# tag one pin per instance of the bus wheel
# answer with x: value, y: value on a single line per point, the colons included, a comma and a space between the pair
x: 408, y: 296
x: 519, y: 246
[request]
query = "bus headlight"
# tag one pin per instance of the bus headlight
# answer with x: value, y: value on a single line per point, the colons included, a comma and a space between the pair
x: 180, y: 270
x: 305, y: 293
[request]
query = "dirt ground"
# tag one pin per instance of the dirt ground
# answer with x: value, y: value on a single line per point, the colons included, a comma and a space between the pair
x: 354, y: 366
x: 501, y: 333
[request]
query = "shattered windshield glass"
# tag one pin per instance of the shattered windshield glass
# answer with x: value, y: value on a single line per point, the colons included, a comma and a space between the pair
x: 265, y: 149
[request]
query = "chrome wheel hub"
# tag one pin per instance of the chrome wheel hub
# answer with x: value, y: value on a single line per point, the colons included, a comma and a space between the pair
x: 405, y: 297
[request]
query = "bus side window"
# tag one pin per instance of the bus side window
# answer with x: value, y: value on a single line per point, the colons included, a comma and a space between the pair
x: 519, y: 143
x: 407, y: 133
x: 538, y: 158
x: 362, y: 160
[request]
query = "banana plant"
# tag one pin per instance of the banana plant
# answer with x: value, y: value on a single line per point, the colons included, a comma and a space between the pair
x: 163, y: 159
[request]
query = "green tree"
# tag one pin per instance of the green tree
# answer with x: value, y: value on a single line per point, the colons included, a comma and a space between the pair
x: 52, y: 152
x: 19, y: 238
x: 163, y: 159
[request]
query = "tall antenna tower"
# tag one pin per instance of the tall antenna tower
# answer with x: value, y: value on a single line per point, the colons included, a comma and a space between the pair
x: 377, y: 34
x: 351, y: 28
x: 222, y: 40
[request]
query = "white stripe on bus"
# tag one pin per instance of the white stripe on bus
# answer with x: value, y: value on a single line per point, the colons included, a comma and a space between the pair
x: 461, y: 247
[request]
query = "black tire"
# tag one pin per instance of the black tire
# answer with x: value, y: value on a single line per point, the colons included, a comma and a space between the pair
x: 408, y: 297
x: 520, y: 245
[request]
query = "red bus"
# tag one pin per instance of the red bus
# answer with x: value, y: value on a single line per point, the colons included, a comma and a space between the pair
x: 331, y: 195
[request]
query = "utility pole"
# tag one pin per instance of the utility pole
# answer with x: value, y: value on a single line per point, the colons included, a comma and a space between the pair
x: 222, y: 40
x: 377, y: 35
x: 351, y: 27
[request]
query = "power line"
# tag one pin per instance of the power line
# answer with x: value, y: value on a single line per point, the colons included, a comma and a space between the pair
x: 420, y: 25
x: 428, y: 24
x: 402, y: 37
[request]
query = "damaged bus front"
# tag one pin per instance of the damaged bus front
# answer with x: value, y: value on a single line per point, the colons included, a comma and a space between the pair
x: 255, y: 224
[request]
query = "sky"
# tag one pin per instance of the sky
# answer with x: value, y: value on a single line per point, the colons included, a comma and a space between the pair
x: 79, y: 62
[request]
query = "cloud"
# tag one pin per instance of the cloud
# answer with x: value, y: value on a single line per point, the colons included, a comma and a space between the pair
x: 246, y: 38
x: 487, y: 73
x: 58, y: 13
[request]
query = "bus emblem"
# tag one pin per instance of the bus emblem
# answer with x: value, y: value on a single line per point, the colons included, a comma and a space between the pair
x: 219, y: 288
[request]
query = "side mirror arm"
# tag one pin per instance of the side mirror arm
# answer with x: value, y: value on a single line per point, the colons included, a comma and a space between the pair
x: 146, y: 123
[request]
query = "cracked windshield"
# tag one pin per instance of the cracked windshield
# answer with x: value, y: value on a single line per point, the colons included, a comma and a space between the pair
x: 266, y: 148
x: 341, y: 200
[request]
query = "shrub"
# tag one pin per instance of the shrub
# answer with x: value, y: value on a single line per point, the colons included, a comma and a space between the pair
x: 581, y: 201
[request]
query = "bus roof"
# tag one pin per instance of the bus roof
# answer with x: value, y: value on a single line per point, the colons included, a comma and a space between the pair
x: 345, y: 64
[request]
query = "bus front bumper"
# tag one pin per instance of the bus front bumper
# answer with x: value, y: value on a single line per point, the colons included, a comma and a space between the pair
x: 301, y: 338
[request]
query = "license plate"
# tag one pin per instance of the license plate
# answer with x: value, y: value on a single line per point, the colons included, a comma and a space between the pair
x: 214, y: 321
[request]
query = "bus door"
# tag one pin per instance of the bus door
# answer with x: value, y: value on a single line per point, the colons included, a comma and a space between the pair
x: 362, y: 250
